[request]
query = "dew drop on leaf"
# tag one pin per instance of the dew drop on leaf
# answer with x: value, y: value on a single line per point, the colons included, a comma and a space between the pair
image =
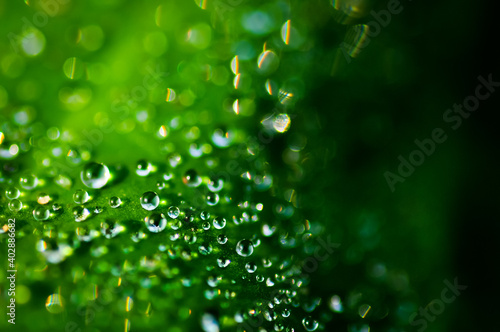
x: 150, y: 200
x: 95, y: 175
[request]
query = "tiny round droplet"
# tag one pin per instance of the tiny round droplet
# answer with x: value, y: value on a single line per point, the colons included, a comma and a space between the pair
x: 191, y: 178
x: 150, y: 200
x: 81, y: 196
x: 212, y: 199
x: 251, y: 267
x: 12, y: 193
x: 244, y: 248
x: 143, y: 168
x: 95, y: 175
x: 15, y: 205
x: 115, y: 202
x: 156, y: 222
x: 223, y: 262
x: 80, y: 213
x: 219, y: 222
x: 41, y: 213
x: 222, y: 239
x: 310, y: 324
x: 204, y: 215
x: 28, y: 181
x: 174, y: 212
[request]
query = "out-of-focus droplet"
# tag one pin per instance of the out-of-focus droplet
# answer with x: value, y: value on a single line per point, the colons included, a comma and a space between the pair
x: 244, y: 248
x: 28, y: 181
x: 191, y: 178
x: 90, y: 37
x: 223, y: 262
x: 32, y: 42
x: 143, y: 168
x: 43, y: 198
x: 63, y: 181
x: 73, y: 68
x: 355, y: 40
x: 267, y: 62
x: 53, y: 304
x: 170, y: 96
x: 281, y: 122
x: 212, y: 199
x: 95, y: 175
x: 150, y: 200
x: 156, y: 222
x: 209, y: 323
x: 81, y: 196
x: 12, y: 192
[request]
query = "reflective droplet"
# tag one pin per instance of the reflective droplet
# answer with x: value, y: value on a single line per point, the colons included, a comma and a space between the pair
x: 80, y: 213
x: 267, y: 62
x: 12, y: 193
x: 281, y: 123
x: 286, y: 312
x: 95, y: 175
x: 41, y: 213
x: 53, y: 304
x: 222, y: 239
x: 209, y: 323
x: 204, y: 215
x: 222, y: 138
x: 150, y: 200
x: 15, y: 205
x: 215, y: 184
x: 43, y: 198
x: 244, y: 248
x: 28, y: 181
x: 63, y: 181
x: 251, y: 267
x: 143, y: 168
x: 191, y: 178
x: 170, y: 97
x: 115, y: 202
x: 310, y: 324
x: 223, y: 262
x: 81, y: 196
x: 156, y: 222
x: 174, y: 212
x: 219, y: 223
x: 212, y: 199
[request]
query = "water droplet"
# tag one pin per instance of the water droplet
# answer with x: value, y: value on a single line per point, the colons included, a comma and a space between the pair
x: 281, y: 122
x: 223, y: 262
x: 43, y: 198
x: 244, y: 248
x: 212, y: 199
x: 115, y: 202
x: 286, y: 312
x: 41, y: 213
x: 190, y: 238
x: 215, y: 184
x: 56, y: 207
x: 81, y: 196
x: 63, y: 181
x: 204, y: 215
x: 150, y: 200
x: 222, y: 138
x: 12, y: 193
x: 209, y: 322
x: 205, y: 249
x: 174, y: 160
x: 170, y: 95
x: 143, y: 168
x: 310, y: 324
x: 191, y: 178
x: 28, y: 181
x: 80, y: 213
x: 222, y: 239
x: 54, y: 304
x: 15, y: 205
x: 156, y: 222
x: 267, y: 62
x: 174, y: 212
x: 251, y: 267
x: 95, y: 175
x: 98, y: 209
x: 219, y: 222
